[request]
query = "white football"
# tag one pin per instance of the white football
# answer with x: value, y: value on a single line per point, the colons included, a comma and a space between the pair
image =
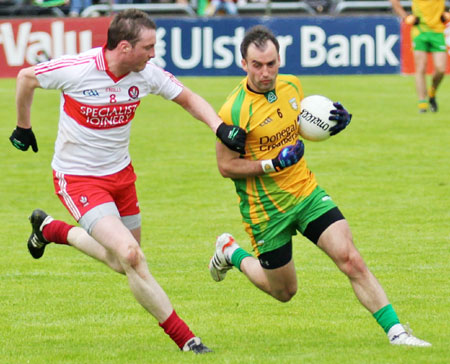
x: 313, y: 119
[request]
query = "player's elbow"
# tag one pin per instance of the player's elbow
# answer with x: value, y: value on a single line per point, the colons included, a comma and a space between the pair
x: 226, y: 171
x: 26, y: 78
x: 223, y: 171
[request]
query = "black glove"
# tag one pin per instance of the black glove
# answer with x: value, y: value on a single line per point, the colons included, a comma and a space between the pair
x: 232, y: 136
x: 22, y: 139
x: 342, y: 117
x: 289, y: 155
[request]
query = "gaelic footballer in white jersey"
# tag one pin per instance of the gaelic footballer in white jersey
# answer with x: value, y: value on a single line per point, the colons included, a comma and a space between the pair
x: 97, y: 108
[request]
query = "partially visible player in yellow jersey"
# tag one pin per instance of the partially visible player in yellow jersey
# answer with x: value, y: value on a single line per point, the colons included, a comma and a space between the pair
x: 428, y: 20
x: 279, y: 195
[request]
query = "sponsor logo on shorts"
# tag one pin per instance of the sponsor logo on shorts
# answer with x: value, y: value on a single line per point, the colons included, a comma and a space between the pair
x: 84, y: 201
x: 326, y: 198
x: 265, y: 263
x: 260, y: 243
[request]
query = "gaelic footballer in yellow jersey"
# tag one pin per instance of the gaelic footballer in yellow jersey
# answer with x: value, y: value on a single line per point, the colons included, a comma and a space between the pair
x: 279, y: 195
x: 270, y: 120
x: 428, y: 24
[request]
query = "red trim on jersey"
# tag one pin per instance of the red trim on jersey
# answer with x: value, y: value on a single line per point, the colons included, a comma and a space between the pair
x: 102, y: 116
x: 100, y: 60
x: 171, y: 76
x: 106, y: 68
x: 61, y: 63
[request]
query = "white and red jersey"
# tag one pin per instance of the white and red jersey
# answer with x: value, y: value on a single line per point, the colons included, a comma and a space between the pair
x: 96, y: 110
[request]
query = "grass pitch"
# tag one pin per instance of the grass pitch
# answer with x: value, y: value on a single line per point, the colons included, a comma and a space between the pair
x: 389, y: 172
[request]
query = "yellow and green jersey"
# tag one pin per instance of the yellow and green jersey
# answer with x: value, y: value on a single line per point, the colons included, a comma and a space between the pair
x: 270, y: 121
x: 429, y: 13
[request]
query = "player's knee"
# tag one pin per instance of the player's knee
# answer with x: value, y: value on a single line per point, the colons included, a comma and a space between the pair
x: 133, y: 255
x: 285, y: 295
x: 353, y: 264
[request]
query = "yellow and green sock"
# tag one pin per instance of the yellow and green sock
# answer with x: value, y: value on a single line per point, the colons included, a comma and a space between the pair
x: 422, y: 105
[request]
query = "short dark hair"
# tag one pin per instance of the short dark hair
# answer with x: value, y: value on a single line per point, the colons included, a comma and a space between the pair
x: 127, y: 25
x: 258, y: 35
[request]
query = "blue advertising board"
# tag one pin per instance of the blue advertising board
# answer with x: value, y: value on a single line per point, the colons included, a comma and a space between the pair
x: 308, y: 45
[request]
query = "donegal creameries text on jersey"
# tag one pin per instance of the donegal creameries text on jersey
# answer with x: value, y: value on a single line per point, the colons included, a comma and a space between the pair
x: 270, y: 121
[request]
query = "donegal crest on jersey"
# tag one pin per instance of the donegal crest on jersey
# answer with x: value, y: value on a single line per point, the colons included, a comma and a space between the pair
x: 270, y: 121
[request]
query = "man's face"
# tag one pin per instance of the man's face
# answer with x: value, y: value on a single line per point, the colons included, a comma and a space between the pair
x: 143, y: 50
x: 262, y: 67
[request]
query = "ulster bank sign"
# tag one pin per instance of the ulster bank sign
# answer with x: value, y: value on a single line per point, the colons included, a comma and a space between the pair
x: 319, y: 45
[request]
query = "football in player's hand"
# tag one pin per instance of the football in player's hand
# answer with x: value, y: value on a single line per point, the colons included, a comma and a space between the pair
x: 314, y: 123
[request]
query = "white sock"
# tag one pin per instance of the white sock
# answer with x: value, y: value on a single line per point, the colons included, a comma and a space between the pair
x: 395, y: 331
x: 229, y: 250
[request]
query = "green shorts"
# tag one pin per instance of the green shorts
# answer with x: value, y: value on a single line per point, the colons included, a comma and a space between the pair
x: 296, y: 219
x: 428, y: 41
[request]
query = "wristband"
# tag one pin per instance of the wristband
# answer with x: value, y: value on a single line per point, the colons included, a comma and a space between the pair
x: 267, y: 166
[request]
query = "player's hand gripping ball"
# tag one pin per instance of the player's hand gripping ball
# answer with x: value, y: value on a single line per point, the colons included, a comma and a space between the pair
x: 341, y: 115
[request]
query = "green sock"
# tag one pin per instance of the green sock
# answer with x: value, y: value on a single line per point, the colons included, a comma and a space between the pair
x: 238, y: 255
x: 386, y: 317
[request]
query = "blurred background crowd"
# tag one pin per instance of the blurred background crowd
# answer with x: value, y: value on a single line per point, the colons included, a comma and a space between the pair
x: 92, y: 8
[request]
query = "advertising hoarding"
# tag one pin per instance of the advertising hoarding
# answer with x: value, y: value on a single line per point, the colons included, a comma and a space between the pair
x: 210, y: 46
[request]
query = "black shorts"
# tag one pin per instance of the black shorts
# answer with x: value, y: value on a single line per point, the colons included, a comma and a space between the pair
x: 279, y: 257
x: 316, y: 227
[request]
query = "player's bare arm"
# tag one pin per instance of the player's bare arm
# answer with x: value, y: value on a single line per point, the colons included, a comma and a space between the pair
x: 199, y: 108
x: 232, y: 136
x: 22, y: 136
x: 232, y: 166
x: 26, y: 84
x: 398, y: 9
x: 401, y: 12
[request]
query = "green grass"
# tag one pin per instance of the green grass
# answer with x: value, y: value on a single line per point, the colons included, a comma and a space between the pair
x: 389, y: 173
